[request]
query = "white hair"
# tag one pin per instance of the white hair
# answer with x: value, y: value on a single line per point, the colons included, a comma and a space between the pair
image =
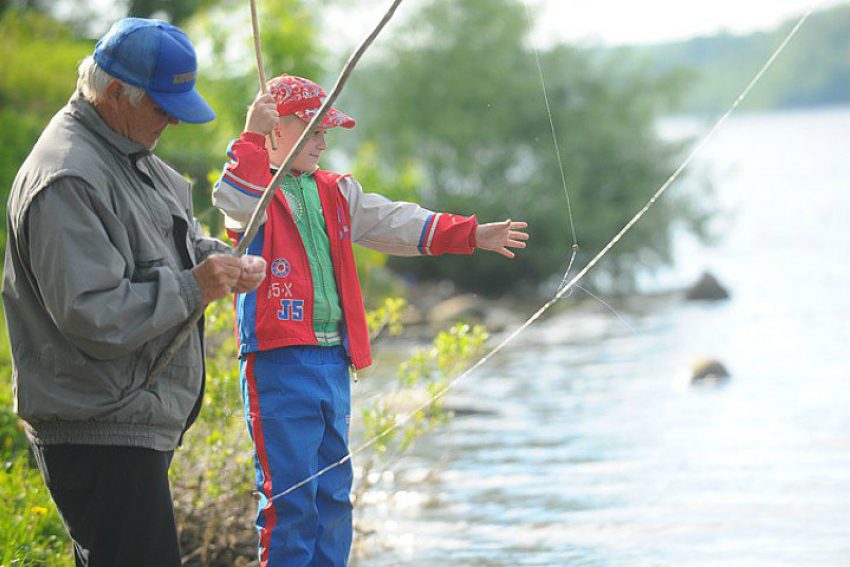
x: 93, y: 80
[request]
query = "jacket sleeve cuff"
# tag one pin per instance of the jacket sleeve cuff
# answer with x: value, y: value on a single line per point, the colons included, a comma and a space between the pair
x: 253, y: 138
x: 453, y: 234
x: 190, y: 290
x: 206, y: 247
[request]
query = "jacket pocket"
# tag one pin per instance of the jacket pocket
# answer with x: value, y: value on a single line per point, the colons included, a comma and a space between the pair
x: 145, y: 268
x: 136, y: 372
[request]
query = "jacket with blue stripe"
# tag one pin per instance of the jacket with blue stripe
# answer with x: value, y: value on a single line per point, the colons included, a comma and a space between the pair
x: 279, y: 313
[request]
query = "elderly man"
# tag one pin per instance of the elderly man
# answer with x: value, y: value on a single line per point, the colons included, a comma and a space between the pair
x: 104, y: 263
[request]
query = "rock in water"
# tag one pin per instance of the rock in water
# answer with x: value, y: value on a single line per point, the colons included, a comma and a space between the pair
x: 707, y: 289
x: 709, y: 371
x: 467, y: 306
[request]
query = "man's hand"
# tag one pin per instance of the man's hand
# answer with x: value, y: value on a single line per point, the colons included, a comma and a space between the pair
x: 262, y: 115
x: 217, y: 276
x: 253, y: 274
x: 499, y: 236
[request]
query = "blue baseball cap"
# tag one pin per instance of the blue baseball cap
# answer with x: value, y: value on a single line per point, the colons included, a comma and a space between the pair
x: 159, y: 58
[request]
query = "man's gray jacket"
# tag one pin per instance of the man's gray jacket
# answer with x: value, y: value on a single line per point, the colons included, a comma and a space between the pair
x: 101, y: 240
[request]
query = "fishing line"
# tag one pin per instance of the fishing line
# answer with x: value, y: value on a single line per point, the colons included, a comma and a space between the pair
x: 574, y: 281
x: 606, y: 304
x: 554, y: 141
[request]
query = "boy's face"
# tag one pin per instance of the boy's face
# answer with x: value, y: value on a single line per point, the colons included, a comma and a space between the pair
x: 288, y: 131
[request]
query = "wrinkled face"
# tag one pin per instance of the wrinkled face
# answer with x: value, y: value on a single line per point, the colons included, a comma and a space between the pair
x: 142, y: 123
x: 146, y: 122
x: 287, y: 133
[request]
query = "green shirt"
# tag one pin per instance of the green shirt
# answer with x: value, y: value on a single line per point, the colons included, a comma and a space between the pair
x: 302, y: 195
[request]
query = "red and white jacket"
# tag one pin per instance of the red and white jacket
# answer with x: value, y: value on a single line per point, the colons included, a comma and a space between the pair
x: 280, y: 312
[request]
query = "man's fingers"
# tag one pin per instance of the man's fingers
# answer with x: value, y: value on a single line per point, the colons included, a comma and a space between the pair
x: 219, y: 275
x: 252, y: 273
x: 254, y: 277
x: 246, y: 287
x: 253, y: 264
x: 226, y: 269
x: 513, y: 235
x: 249, y: 283
x: 505, y: 252
x: 230, y: 274
x: 519, y: 224
x: 515, y: 244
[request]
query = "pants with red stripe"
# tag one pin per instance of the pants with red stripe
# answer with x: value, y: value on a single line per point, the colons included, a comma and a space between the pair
x: 297, y: 405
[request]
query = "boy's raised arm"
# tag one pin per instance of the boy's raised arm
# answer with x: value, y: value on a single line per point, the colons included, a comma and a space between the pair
x: 246, y: 175
x: 243, y: 180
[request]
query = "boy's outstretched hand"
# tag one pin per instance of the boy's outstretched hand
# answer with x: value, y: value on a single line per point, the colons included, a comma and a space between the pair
x: 499, y: 236
x: 262, y: 115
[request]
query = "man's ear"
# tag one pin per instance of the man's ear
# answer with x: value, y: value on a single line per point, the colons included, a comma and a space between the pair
x: 113, y: 92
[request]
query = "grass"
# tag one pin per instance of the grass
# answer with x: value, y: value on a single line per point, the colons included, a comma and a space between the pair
x: 31, y: 531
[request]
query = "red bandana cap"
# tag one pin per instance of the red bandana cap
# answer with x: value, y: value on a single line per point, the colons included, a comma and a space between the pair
x: 303, y: 98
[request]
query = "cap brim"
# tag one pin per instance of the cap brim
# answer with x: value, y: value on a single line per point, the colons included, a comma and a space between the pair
x: 188, y: 107
x: 333, y: 119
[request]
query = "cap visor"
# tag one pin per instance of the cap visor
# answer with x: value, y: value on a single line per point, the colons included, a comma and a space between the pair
x: 187, y: 107
x: 336, y: 118
x: 333, y: 119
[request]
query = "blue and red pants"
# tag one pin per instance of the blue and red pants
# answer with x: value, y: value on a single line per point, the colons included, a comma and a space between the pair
x: 298, y: 405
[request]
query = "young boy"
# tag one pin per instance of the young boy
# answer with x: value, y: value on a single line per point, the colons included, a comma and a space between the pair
x: 305, y: 325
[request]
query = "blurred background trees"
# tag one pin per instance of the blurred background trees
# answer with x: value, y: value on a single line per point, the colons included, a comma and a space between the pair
x: 816, y: 72
x: 458, y: 92
x: 450, y: 113
x: 451, y: 99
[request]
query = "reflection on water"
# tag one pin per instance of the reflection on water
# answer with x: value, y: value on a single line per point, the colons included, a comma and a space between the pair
x: 593, y: 456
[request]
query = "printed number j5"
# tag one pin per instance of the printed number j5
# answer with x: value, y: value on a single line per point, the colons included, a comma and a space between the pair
x: 291, y: 309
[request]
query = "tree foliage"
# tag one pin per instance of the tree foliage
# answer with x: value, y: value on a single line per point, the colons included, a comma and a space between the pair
x: 814, y: 70
x: 36, y: 79
x: 458, y: 91
x: 176, y: 12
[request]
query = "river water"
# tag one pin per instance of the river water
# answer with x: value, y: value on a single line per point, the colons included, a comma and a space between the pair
x: 594, y: 451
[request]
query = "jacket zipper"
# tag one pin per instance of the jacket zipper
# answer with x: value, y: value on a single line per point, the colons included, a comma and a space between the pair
x: 321, y: 275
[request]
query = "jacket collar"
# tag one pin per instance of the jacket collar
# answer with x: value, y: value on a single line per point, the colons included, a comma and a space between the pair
x: 291, y: 173
x: 83, y: 111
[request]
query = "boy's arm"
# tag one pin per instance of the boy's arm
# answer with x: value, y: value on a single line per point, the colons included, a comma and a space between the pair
x: 405, y: 229
x: 243, y: 180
